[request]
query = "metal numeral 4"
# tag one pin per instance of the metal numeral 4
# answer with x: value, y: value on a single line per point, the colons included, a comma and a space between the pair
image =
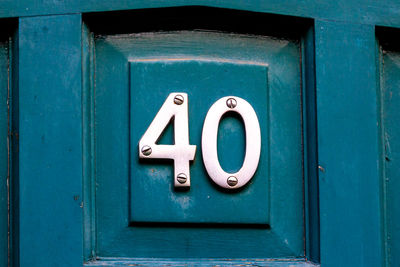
x: 175, y: 106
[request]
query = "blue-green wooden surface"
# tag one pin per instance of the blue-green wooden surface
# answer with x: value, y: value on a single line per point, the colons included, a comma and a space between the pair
x: 352, y: 222
x: 14, y: 138
x: 390, y: 89
x: 88, y: 162
x: 152, y: 196
x: 348, y: 135
x: 4, y: 80
x: 5, y: 58
x: 50, y: 142
x: 310, y: 146
x: 200, y: 262
x: 285, y: 238
x: 385, y: 13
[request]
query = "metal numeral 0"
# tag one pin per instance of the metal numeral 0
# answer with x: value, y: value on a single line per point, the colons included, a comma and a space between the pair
x: 209, y: 142
x: 176, y: 105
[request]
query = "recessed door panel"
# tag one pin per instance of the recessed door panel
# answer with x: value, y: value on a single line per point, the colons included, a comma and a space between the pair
x: 141, y: 207
x: 153, y: 197
x: 139, y: 212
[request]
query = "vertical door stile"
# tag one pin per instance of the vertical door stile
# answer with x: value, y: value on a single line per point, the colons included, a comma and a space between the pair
x: 50, y: 141
x: 348, y: 140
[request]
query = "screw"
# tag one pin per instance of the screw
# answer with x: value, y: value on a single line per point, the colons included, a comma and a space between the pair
x: 178, y: 99
x: 232, y: 181
x: 181, y: 178
x: 322, y: 169
x: 231, y: 102
x: 146, y: 150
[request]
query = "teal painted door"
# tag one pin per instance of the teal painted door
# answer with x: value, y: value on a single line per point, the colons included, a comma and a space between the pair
x: 81, y: 81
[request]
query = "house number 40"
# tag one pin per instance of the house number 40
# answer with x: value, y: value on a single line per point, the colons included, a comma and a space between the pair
x: 176, y: 106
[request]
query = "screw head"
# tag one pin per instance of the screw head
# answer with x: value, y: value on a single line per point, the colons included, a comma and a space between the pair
x: 178, y: 99
x: 232, y: 181
x: 231, y: 102
x: 146, y: 150
x: 181, y: 178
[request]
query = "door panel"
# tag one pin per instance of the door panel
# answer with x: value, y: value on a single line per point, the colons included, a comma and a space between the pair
x: 152, y: 196
x: 138, y: 212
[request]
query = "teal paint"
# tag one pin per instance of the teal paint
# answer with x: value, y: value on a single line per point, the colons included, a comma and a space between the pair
x: 348, y: 145
x: 5, y: 82
x: 49, y: 159
x: 114, y: 237
x: 390, y: 82
x: 14, y: 158
x: 88, y: 130
x: 201, y: 262
x: 310, y: 146
x: 384, y: 13
x: 347, y: 132
x: 153, y: 197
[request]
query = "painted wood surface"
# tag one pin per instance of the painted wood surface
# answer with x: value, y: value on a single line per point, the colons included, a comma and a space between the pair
x: 199, y: 262
x: 5, y: 61
x: 284, y: 236
x: 205, y: 80
x: 385, y: 13
x: 348, y: 145
x: 47, y: 116
x: 390, y: 83
x: 49, y: 207
x: 310, y: 146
